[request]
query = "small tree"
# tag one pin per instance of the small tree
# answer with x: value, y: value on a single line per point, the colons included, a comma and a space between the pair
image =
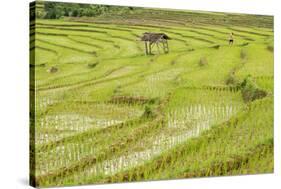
x: 75, y: 13
x: 203, y: 61
x: 250, y: 90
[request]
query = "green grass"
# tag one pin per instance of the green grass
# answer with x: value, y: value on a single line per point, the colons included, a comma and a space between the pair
x: 112, y: 114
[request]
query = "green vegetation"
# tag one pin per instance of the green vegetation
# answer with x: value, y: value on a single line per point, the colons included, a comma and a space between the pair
x: 106, y: 112
x: 203, y: 61
x: 56, y: 10
x: 250, y: 91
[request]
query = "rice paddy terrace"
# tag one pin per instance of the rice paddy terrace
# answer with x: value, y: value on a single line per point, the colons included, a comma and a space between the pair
x: 105, y: 112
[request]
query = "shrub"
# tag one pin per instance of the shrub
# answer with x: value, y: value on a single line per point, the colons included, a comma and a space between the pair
x: 42, y: 65
x: 92, y: 65
x: 216, y: 46
x: 53, y: 70
x: 203, y: 61
x: 148, y: 112
x: 244, y: 44
x: 155, y: 100
x: 270, y: 48
x: 117, y: 89
x: 231, y: 80
x: 250, y: 90
x: 243, y: 54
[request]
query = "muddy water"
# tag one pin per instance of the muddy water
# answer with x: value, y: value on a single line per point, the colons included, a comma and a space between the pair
x: 55, y: 127
x: 42, y: 103
x: 185, y: 124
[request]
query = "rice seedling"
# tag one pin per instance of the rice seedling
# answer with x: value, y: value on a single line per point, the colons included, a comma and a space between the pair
x: 105, y: 112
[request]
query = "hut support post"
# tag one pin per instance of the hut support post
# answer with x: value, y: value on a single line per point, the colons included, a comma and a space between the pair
x: 158, y: 47
x: 167, y: 46
x: 149, y: 49
x: 145, y: 46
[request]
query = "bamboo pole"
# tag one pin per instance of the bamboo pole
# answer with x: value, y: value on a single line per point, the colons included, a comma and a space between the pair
x: 146, y: 52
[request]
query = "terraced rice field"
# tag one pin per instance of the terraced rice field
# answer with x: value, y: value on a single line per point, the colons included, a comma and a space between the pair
x: 106, y: 112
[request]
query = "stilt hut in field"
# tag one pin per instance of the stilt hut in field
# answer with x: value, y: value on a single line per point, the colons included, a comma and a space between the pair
x: 150, y: 39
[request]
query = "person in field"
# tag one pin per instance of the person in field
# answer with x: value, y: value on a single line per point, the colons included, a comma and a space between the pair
x: 231, y: 38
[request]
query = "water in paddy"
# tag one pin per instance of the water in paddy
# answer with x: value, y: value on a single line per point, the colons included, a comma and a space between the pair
x: 183, y: 123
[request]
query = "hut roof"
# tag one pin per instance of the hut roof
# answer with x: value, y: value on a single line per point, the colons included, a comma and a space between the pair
x: 149, y: 36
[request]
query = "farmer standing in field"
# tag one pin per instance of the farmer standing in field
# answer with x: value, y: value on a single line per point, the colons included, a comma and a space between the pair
x: 231, y: 38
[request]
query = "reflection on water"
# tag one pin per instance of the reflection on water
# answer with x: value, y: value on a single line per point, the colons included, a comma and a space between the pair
x: 185, y: 123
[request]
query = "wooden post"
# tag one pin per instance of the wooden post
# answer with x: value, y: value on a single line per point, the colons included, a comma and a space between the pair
x: 145, y: 45
x: 149, y: 51
x: 164, y: 47
x: 158, y: 47
x: 167, y: 46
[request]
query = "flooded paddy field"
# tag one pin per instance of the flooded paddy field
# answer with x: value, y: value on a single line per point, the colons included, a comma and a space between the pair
x: 107, y: 112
